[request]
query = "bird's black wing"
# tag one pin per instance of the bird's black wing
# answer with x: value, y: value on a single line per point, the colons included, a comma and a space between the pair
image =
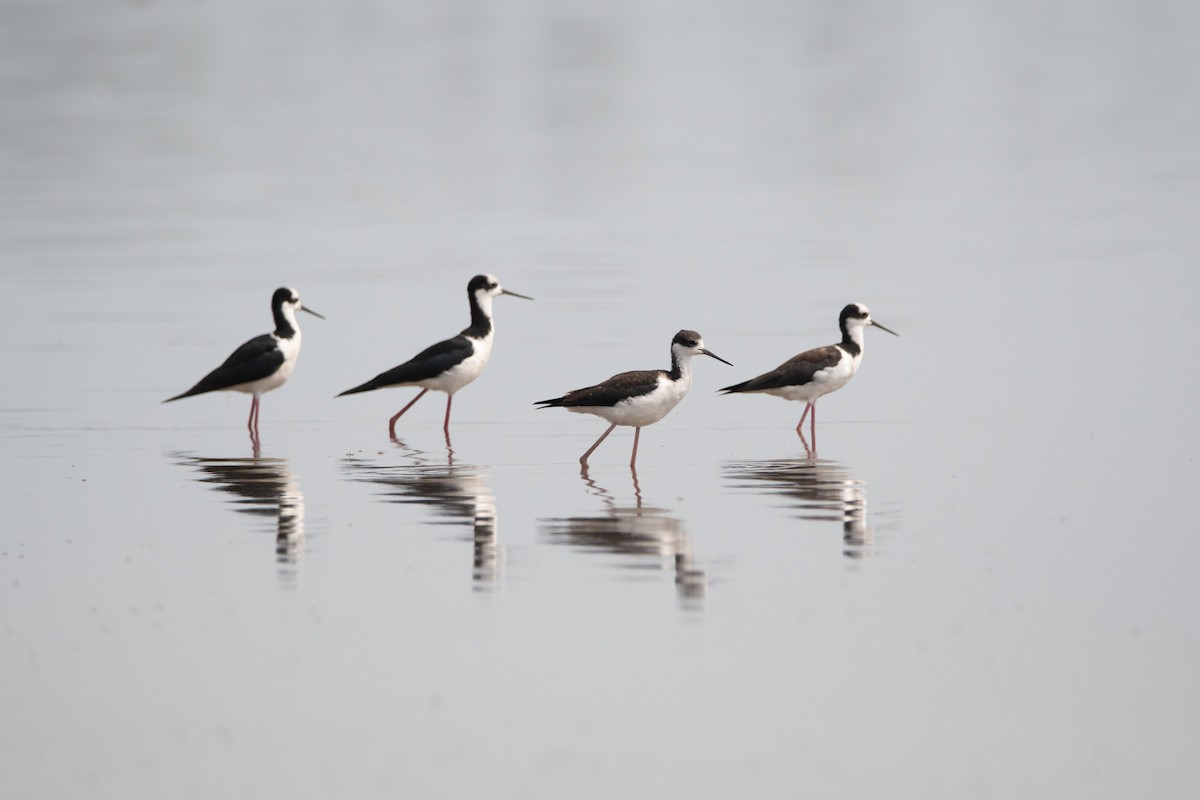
x: 796, y: 371
x: 254, y: 360
x: 610, y: 392
x: 429, y: 363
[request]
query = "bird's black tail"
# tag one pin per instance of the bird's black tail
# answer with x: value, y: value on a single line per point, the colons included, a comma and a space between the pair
x: 366, y: 387
x: 192, y: 392
x: 737, y: 387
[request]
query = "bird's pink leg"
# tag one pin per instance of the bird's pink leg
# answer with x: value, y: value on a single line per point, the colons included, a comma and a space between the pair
x: 812, y: 427
x: 392, y: 421
x: 637, y: 432
x: 583, y: 458
x: 446, y: 422
x: 252, y: 425
x: 800, y: 424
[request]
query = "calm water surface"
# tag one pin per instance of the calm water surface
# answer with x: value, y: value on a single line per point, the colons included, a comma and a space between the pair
x: 981, y: 586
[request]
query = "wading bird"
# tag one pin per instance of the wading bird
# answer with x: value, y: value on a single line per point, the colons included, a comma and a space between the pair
x: 817, y: 372
x: 261, y: 364
x: 450, y: 365
x: 638, y: 398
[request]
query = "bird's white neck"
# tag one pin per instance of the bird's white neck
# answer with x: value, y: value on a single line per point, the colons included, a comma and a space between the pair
x: 286, y: 326
x: 681, y: 367
x: 481, y: 317
x: 853, y: 340
x: 484, y: 301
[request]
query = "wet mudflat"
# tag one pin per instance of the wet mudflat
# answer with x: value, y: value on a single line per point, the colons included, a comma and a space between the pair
x: 980, y: 585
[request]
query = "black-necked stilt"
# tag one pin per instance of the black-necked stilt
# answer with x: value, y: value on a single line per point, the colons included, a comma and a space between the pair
x: 450, y: 365
x: 817, y: 372
x: 261, y: 364
x: 637, y: 398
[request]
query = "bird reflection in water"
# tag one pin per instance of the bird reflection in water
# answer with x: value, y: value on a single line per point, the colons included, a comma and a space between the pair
x: 262, y: 487
x: 455, y: 494
x: 649, y: 534
x: 819, y: 489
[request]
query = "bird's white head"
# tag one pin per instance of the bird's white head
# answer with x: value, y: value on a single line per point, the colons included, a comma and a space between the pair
x: 284, y: 305
x: 481, y: 290
x: 687, y: 344
x: 488, y: 286
x: 854, y: 318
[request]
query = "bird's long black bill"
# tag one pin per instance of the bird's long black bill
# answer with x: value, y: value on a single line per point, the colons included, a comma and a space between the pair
x: 514, y: 294
x: 714, y: 355
x: 309, y: 310
x: 882, y: 328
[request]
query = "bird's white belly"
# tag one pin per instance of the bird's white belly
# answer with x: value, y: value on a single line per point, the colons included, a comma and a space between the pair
x: 273, y: 381
x: 824, y: 381
x: 464, y: 371
x: 645, y: 409
x: 291, y: 352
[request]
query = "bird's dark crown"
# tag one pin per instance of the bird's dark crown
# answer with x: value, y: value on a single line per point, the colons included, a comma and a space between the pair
x: 284, y: 294
x: 853, y: 311
x: 686, y: 338
x: 482, y: 283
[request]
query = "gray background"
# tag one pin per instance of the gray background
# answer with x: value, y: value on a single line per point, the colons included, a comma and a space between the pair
x: 985, y: 587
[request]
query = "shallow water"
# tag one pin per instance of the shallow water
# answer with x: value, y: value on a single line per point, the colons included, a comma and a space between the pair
x: 981, y: 585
